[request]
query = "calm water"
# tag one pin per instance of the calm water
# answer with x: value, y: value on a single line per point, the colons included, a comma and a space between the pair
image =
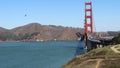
x: 37, y: 54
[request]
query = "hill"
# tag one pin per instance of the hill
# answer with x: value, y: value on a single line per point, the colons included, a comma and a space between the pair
x: 35, y: 31
x: 29, y: 28
x: 3, y: 30
x: 108, y: 57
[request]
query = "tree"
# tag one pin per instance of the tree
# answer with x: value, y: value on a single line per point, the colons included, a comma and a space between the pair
x: 116, y: 40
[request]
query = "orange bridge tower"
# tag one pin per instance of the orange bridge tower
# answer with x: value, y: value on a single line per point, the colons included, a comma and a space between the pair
x: 88, y: 18
x: 88, y: 23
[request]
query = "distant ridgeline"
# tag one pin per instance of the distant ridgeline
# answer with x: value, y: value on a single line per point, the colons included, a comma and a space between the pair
x: 38, y: 32
x: 35, y: 31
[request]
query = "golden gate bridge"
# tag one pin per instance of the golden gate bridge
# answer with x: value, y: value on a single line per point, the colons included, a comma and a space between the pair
x: 89, y: 28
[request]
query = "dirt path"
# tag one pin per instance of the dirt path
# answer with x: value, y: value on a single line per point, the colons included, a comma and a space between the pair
x: 116, y: 48
x: 98, y: 63
x: 95, y: 65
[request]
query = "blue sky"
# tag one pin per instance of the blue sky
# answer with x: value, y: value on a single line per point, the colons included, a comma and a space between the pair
x: 59, y: 12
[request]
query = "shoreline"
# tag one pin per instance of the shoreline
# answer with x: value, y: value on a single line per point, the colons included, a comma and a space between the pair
x: 39, y: 41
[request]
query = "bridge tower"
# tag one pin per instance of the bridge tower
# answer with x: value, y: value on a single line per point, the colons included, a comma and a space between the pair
x: 88, y: 18
x: 88, y: 23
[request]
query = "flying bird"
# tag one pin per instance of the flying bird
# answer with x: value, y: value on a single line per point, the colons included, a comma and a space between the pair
x: 25, y: 15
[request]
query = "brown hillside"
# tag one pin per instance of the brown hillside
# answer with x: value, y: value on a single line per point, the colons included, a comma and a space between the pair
x: 30, y: 28
x: 44, y: 32
x: 3, y: 30
x: 69, y: 34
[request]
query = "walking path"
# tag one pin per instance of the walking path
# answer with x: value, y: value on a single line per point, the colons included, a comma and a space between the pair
x: 116, y: 48
x: 98, y: 63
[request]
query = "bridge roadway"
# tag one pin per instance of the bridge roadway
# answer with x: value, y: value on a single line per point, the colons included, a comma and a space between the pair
x: 101, y: 40
x: 94, y: 43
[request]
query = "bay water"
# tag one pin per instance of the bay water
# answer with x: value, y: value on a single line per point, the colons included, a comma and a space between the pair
x: 50, y: 54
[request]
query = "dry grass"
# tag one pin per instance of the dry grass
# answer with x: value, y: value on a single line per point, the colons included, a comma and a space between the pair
x: 110, y: 63
x: 102, y: 53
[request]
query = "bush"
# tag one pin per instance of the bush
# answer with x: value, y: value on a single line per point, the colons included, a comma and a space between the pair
x: 116, y: 40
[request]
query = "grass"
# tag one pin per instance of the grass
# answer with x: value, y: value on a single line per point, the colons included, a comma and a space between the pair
x: 101, y: 53
x: 117, y: 46
x: 110, y: 64
x: 105, y: 53
x: 118, y: 49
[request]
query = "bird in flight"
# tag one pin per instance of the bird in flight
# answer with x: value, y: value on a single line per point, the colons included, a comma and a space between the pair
x: 25, y: 15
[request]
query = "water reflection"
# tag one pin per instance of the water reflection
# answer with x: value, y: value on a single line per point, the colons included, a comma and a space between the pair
x: 80, y: 48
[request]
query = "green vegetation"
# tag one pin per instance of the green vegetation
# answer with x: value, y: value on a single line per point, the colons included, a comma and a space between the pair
x: 107, y: 57
x: 103, y: 52
x: 118, y: 49
x: 116, y: 40
x: 26, y: 36
x: 10, y: 36
x: 110, y: 64
x: 7, y: 36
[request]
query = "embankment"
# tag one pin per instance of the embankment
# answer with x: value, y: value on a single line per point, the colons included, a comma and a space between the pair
x: 107, y: 57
